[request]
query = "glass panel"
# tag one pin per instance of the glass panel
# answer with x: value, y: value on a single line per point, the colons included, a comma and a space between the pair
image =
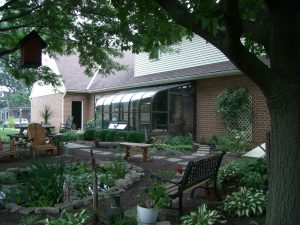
x: 98, y: 117
x: 117, y: 98
x: 138, y: 96
x: 145, y: 114
x: 149, y: 94
x: 127, y: 97
x: 101, y: 100
x: 159, y: 122
x: 160, y: 101
x: 108, y: 100
x: 176, y: 120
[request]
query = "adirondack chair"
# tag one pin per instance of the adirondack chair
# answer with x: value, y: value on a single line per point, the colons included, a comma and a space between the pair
x: 9, y: 152
x: 37, y: 137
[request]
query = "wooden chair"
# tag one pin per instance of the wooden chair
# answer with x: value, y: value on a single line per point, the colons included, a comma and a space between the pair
x: 37, y: 137
x: 10, y: 152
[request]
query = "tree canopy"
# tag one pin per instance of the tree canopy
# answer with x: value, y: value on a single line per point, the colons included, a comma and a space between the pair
x: 242, y: 29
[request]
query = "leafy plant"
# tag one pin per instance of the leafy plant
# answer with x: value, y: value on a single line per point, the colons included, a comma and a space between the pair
x: 253, y: 180
x: 110, y: 136
x: 68, y: 218
x: 202, y: 216
x: 228, y: 172
x: 155, y: 197
x: 42, y: 186
x: 47, y: 113
x: 135, y: 136
x: 89, y: 134
x: 70, y: 136
x: 102, y: 135
x: 121, y: 136
x: 246, y: 202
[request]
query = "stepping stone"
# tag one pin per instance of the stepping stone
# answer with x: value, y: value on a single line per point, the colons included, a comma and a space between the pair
x: 183, y: 163
x: 103, y: 153
x: 158, y: 157
x: 120, y: 154
x: 137, y: 156
x: 188, y: 156
x: 199, y: 154
x: 173, y: 159
x: 85, y: 150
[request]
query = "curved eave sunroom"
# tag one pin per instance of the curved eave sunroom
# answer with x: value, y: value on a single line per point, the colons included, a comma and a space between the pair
x: 161, y: 109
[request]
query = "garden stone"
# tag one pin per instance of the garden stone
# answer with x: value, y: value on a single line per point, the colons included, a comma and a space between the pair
x: 77, y: 204
x: 163, y: 223
x: 46, y: 210
x: 7, y: 177
x: 27, y: 211
x: 16, y: 208
x: 65, y: 205
x: 123, y: 183
x: 13, y: 170
x: 10, y: 205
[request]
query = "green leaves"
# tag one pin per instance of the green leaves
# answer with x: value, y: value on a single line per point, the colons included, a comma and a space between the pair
x: 246, y: 202
x: 68, y: 218
x: 202, y: 216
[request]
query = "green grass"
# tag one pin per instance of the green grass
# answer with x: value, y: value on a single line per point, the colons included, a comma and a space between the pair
x: 4, y: 132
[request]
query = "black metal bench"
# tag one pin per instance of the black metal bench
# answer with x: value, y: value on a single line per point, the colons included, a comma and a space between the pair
x: 196, y: 174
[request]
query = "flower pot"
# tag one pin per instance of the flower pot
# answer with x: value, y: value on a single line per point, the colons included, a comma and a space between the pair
x: 146, y: 215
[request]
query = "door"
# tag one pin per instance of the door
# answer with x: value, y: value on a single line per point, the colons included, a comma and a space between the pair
x: 77, y: 114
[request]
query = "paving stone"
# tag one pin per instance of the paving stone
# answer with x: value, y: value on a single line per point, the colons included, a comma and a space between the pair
x: 104, y: 153
x: 173, y: 159
x: 40, y: 210
x: 199, y: 154
x: 27, y: 211
x: 158, y: 157
x: 137, y: 156
x: 183, y: 163
x: 163, y: 223
x: 120, y: 154
x: 187, y: 156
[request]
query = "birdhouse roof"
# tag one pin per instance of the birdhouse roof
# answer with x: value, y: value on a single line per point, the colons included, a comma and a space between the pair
x: 32, y: 34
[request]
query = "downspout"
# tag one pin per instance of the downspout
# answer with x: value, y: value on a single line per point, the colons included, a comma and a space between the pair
x: 62, y: 107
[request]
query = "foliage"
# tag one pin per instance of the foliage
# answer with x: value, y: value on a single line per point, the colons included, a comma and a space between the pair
x: 253, y: 180
x: 179, y: 140
x: 42, y: 186
x: 68, y: 218
x: 155, y: 197
x: 89, y: 134
x: 102, y: 135
x: 19, y: 98
x: 70, y: 136
x: 135, y: 136
x: 202, y: 216
x: 121, y: 136
x: 30, y: 220
x: 228, y: 172
x: 110, y: 136
x: 246, y: 202
x: 175, y: 143
x: 47, y: 113
x: 7, y: 177
x: 10, y: 122
x: 124, y: 221
x: 232, y: 104
x: 233, y: 142
x: 91, y: 124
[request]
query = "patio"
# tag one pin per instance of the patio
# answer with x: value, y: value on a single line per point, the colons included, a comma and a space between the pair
x: 161, y: 161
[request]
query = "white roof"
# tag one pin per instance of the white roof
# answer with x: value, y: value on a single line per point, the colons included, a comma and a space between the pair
x: 258, y: 152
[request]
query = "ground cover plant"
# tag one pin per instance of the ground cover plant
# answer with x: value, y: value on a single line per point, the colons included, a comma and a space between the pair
x: 45, y: 184
x: 175, y: 143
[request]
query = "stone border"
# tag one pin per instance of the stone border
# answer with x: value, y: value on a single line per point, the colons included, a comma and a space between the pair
x: 134, y: 174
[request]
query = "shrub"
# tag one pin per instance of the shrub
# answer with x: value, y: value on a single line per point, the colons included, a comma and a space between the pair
x: 70, y: 136
x: 253, y: 165
x: 135, y: 136
x: 228, y: 172
x: 7, y: 177
x: 89, y: 134
x: 68, y: 218
x: 179, y: 140
x: 121, y: 136
x: 253, y: 180
x: 102, y: 135
x: 42, y: 186
x: 202, y: 216
x: 10, y: 122
x: 246, y: 202
x: 111, y: 134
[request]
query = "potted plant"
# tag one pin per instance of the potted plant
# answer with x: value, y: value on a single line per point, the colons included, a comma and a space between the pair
x: 46, y: 114
x: 154, y: 199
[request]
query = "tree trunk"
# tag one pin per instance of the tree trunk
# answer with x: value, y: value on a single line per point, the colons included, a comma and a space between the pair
x: 284, y: 168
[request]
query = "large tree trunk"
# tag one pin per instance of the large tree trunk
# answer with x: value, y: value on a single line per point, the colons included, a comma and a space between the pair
x: 284, y: 106
x: 284, y: 170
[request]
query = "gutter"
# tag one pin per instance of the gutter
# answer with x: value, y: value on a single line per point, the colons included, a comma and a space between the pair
x: 164, y: 81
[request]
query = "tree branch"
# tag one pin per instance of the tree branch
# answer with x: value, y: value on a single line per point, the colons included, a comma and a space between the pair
x: 15, y: 27
x: 8, y: 51
x: 183, y: 17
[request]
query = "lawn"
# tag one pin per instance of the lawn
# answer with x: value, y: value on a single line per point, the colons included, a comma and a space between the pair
x: 5, y: 131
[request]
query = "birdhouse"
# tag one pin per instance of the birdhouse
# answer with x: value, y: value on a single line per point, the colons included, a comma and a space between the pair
x: 31, y: 50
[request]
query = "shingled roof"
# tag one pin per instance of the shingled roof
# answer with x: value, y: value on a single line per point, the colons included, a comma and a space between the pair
x: 75, y: 79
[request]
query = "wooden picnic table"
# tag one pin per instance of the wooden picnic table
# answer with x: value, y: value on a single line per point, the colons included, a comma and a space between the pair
x: 48, y: 128
x: 132, y: 145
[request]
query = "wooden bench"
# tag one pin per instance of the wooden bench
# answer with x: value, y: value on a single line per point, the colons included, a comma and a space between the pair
x: 10, y: 152
x: 196, y: 174
x: 130, y: 145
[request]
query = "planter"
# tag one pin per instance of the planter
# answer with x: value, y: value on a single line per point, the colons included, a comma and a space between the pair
x: 146, y: 215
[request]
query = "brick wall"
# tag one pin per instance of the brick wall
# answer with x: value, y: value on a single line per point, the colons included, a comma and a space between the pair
x: 86, y: 104
x: 209, y: 122
x: 55, y: 103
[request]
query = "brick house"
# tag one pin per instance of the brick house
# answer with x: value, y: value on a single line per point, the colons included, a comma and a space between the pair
x: 174, y: 94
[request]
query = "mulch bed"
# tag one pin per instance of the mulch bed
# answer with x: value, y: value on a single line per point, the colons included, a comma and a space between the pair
x: 127, y: 198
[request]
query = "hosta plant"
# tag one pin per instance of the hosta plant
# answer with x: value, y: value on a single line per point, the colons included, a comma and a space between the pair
x: 68, y: 218
x: 202, y: 216
x: 246, y: 202
x: 228, y: 172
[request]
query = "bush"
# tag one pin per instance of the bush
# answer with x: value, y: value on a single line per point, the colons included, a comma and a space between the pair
x: 89, y: 134
x: 68, y: 218
x: 246, y: 202
x: 111, y: 134
x: 179, y: 140
x: 135, y: 136
x: 121, y: 136
x: 253, y: 180
x: 70, y: 136
x: 102, y: 135
x: 202, y: 216
x: 228, y: 172
x: 10, y: 122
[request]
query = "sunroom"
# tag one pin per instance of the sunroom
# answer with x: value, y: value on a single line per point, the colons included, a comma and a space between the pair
x: 159, y: 110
